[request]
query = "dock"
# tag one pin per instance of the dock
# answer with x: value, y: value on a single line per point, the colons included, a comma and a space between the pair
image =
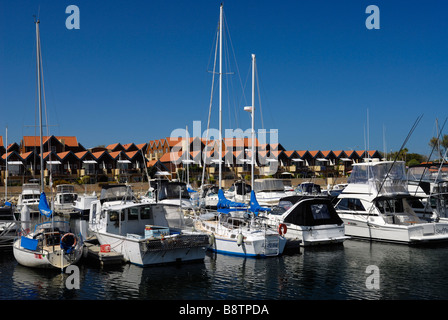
x: 104, y: 258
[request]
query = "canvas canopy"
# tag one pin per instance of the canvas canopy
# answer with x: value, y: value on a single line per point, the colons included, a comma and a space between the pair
x: 310, y: 211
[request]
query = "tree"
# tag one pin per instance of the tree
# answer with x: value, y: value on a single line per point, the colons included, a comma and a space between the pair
x: 440, y: 145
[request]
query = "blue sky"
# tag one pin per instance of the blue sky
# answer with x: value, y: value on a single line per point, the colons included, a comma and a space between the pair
x: 137, y: 70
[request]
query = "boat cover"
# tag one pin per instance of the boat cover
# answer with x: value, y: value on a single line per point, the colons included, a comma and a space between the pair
x: 313, y: 212
x: 226, y: 206
x: 28, y: 243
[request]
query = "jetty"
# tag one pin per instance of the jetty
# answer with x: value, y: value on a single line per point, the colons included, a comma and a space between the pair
x: 95, y: 252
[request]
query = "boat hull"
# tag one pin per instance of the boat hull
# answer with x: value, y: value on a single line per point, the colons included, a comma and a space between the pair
x: 146, y: 252
x: 315, y: 235
x: 418, y: 233
x: 43, y: 259
x: 272, y: 246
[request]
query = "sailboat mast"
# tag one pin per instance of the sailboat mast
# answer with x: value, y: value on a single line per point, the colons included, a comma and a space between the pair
x: 220, y: 94
x: 253, y: 128
x: 38, y: 58
x: 6, y: 173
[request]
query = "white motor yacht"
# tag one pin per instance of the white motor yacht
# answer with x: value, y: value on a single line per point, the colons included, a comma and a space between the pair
x: 307, y: 221
x: 270, y: 191
x: 30, y: 197
x: 65, y: 199
x: 373, y: 206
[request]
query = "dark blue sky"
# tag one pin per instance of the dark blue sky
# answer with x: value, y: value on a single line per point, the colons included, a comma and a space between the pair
x: 137, y: 70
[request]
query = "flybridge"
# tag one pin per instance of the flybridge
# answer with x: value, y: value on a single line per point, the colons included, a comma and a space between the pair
x: 386, y: 177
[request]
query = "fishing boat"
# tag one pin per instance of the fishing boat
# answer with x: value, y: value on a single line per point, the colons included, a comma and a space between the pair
x: 145, y: 233
x: 373, y: 206
x: 51, y: 244
x: 428, y: 183
x: 65, y: 199
x: 307, y: 221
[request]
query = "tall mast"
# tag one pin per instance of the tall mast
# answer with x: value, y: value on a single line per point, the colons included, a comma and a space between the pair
x: 38, y: 57
x: 253, y: 129
x: 220, y: 94
x: 251, y: 109
x: 6, y: 173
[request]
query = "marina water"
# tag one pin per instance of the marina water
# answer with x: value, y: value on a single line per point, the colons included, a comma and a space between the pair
x: 327, y: 273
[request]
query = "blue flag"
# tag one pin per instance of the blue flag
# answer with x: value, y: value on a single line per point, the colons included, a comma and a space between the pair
x: 44, y: 209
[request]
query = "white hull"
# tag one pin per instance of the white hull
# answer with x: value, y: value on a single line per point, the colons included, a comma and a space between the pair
x: 409, y: 234
x: 269, y: 199
x: 255, y: 243
x: 261, y: 247
x: 44, y: 259
x: 316, y: 235
x: 138, y: 251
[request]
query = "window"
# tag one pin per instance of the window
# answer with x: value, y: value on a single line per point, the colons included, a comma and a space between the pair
x: 320, y: 211
x: 350, y: 204
x: 113, y: 215
x: 146, y: 213
x: 133, y: 214
x: 390, y: 205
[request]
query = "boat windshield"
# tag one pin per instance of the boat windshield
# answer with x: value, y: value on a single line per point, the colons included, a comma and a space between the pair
x: 173, y: 190
x: 282, y: 207
x: 431, y: 172
x: 308, y: 188
x: 385, y: 177
x: 241, y: 188
x: 116, y: 192
x: 268, y: 185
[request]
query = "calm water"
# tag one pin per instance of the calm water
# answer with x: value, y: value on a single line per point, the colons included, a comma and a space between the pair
x: 325, y: 273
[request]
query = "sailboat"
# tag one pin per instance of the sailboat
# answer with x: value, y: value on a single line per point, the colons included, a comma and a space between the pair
x: 51, y: 244
x: 233, y: 228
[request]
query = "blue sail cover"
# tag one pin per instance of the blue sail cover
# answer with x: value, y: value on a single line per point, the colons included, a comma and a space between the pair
x: 225, y: 205
x: 44, y: 208
x: 254, y: 206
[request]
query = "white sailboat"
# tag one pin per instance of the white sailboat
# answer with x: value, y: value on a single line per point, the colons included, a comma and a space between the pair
x: 373, y: 206
x: 237, y: 234
x: 50, y: 244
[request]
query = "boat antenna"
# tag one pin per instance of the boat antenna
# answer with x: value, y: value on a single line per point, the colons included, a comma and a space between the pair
x: 398, y: 153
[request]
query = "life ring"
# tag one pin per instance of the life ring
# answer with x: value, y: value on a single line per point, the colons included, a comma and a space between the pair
x: 282, y: 229
x: 68, y: 245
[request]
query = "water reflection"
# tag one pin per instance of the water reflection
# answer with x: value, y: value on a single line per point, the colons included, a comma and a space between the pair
x: 320, y: 273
